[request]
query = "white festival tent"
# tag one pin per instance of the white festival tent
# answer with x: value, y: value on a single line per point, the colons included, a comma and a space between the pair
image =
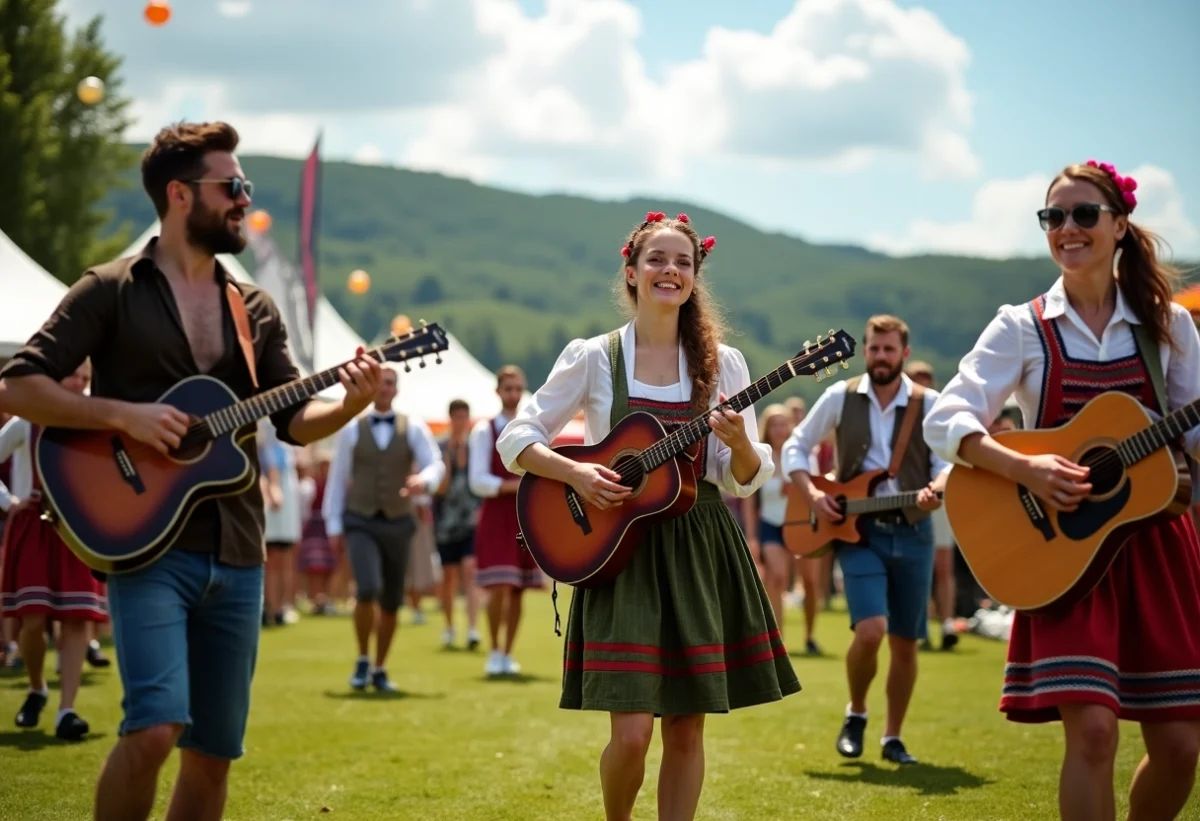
x: 30, y: 295
x: 424, y: 392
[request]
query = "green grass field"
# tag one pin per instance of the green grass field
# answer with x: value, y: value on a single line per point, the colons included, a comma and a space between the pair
x: 453, y: 745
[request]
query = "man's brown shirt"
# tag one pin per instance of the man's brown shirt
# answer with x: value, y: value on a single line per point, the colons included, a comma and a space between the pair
x: 124, y: 316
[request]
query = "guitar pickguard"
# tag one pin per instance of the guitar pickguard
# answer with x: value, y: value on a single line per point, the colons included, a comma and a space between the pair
x: 1092, y: 515
x: 577, y: 511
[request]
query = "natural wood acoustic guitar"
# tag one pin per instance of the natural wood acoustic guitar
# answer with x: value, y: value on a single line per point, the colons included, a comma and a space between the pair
x: 581, y: 545
x: 1036, y: 559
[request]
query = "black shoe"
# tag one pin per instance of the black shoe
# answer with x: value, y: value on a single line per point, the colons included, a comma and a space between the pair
x: 71, y: 727
x: 381, y: 682
x: 31, y: 710
x: 811, y: 648
x: 949, y: 640
x: 96, y: 657
x: 850, y: 739
x: 894, y: 751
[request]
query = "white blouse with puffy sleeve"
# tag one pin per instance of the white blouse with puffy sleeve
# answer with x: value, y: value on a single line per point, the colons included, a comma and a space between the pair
x: 582, y: 380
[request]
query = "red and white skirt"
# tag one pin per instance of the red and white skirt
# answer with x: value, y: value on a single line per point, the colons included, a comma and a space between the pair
x: 1133, y: 644
x: 42, y: 576
x: 500, y: 560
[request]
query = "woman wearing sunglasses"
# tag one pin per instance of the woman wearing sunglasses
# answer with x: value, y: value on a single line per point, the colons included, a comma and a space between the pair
x: 1130, y: 649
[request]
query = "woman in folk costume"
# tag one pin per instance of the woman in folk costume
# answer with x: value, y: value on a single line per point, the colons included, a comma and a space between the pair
x: 1130, y: 649
x: 44, y: 581
x: 686, y: 629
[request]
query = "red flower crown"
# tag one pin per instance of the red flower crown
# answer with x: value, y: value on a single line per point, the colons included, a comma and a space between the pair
x: 706, y: 244
x: 1126, y: 185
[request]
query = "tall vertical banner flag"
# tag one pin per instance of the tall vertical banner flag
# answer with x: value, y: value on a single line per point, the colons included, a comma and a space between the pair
x: 310, y: 179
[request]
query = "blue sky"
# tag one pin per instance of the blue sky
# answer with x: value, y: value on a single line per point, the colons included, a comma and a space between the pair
x: 907, y: 127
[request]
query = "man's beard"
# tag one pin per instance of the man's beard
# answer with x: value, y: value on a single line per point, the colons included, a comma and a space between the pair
x: 208, y: 230
x: 886, y: 378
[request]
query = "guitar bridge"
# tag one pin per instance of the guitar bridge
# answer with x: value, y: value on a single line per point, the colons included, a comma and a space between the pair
x: 575, y: 504
x: 1036, y: 513
x: 125, y: 466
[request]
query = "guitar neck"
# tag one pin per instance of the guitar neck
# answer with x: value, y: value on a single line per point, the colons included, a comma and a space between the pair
x: 880, y: 504
x: 1154, y: 437
x: 686, y: 436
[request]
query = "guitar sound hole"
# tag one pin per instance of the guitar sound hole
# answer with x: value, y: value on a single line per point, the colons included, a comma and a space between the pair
x: 1106, y: 469
x: 631, y: 472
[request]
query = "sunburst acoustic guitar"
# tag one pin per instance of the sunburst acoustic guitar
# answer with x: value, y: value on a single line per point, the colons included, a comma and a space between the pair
x: 581, y: 545
x: 119, y: 504
x: 1033, y: 558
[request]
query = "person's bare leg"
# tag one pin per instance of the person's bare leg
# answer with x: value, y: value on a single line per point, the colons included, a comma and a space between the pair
x: 450, y: 579
x: 623, y: 763
x: 512, y: 618
x: 902, y: 678
x: 470, y: 592
x: 383, y: 637
x: 862, y: 660
x: 778, y: 562
x: 814, y: 594
x: 72, y: 648
x: 681, y: 774
x: 201, y: 788
x: 32, y: 641
x: 496, y: 606
x: 1085, y: 784
x: 364, y: 625
x: 1164, y: 778
x: 125, y: 791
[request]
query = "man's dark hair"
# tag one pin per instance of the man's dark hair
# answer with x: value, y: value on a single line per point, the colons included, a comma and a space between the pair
x: 178, y: 152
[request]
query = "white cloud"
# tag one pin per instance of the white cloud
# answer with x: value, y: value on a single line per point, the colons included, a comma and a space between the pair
x: 369, y: 154
x: 1003, y: 222
x: 233, y: 8
x: 566, y: 92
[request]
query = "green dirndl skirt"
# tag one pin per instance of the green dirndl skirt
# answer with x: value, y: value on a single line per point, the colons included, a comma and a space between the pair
x: 685, y: 628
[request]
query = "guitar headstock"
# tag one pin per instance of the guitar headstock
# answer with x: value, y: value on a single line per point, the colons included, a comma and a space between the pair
x: 819, y: 357
x: 416, y: 344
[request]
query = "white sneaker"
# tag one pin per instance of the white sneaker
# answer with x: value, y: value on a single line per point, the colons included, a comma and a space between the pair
x: 511, y: 668
x: 495, y: 665
x: 473, y: 639
x: 448, y: 637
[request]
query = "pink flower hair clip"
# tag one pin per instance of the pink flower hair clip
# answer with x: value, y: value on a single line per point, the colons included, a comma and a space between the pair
x: 1126, y: 185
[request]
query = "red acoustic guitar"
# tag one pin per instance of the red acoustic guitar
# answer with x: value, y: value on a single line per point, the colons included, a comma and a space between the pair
x: 584, y: 546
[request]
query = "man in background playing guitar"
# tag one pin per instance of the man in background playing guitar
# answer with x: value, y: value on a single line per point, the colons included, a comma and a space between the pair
x: 186, y: 627
x: 1130, y: 647
x: 888, y: 576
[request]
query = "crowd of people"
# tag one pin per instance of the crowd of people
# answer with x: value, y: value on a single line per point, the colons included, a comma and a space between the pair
x: 693, y: 624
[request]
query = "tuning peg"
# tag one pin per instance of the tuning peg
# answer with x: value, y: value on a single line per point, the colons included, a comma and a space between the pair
x: 845, y: 366
x: 828, y: 372
x: 819, y: 337
x: 422, y: 322
x: 806, y: 344
x: 407, y: 367
x: 818, y: 375
x: 437, y: 358
x: 421, y: 362
x: 831, y: 333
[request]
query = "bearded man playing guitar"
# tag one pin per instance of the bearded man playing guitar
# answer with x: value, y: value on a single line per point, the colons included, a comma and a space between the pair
x: 186, y: 627
x: 889, y: 572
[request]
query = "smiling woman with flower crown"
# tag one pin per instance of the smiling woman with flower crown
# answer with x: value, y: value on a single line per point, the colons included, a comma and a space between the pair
x: 1130, y: 649
x: 686, y: 629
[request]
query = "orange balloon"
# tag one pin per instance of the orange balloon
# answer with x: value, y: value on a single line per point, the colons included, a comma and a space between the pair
x: 401, y: 325
x: 259, y: 221
x: 359, y: 282
x: 157, y: 12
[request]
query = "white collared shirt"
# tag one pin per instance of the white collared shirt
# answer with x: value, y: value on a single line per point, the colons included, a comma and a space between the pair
x: 582, y: 380
x: 427, y: 458
x: 826, y: 415
x: 15, y: 444
x: 480, y: 446
x: 1008, y: 361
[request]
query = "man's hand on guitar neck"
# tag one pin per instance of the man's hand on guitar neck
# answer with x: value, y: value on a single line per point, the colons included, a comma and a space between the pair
x: 825, y: 506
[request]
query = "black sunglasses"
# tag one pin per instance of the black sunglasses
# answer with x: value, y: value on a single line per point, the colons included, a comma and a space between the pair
x: 1085, y: 216
x: 236, y: 185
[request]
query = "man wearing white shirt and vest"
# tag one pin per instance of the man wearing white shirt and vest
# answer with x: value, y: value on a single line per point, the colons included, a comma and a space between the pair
x: 887, y: 576
x: 368, y: 511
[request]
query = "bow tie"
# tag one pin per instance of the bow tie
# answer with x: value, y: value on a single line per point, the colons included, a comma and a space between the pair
x: 384, y: 420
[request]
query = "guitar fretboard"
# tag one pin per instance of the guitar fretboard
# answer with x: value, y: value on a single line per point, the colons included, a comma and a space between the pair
x: 878, y: 504
x: 1137, y: 447
x: 687, y: 435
